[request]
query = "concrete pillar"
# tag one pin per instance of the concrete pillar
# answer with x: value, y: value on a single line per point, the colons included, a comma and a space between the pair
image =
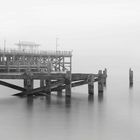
x: 68, y: 84
x: 130, y: 77
x: 100, y: 82
x: 91, y: 85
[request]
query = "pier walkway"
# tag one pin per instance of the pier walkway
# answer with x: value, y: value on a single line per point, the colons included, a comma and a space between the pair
x: 52, y: 68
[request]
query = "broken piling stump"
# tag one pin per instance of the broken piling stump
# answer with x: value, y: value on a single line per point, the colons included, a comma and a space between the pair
x: 91, y: 84
x: 130, y: 77
x: 100, y: 82
x: 68, y: 84
x: 104, y: 76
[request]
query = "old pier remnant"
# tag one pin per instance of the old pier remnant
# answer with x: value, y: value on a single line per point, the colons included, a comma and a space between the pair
x: 130, y: 77
x: 52, y: 68
x: 91, y: 84
x: 104, y: 76
x: 100, y: 81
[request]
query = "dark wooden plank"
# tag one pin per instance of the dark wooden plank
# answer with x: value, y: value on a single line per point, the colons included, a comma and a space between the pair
x: 79, y: 83
x: 12, y: 86
x: 41, y: 89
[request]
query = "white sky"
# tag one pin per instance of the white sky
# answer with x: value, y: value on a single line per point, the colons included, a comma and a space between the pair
x: 108, y: 27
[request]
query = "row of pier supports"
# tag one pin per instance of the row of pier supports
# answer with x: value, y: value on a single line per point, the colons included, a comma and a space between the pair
x: 102, y: 76
x: 101, y: 82
x: 46, y: 84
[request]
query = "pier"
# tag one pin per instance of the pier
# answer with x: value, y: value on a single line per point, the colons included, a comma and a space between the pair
x: 52, y: 68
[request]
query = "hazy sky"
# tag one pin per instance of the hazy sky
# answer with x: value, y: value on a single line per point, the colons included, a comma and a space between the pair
x: 88, y: 27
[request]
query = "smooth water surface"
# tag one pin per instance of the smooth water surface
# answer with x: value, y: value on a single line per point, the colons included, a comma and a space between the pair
x: 113, y: 116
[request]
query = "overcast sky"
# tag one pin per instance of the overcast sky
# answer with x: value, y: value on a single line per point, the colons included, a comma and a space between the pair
x: 85, y: 26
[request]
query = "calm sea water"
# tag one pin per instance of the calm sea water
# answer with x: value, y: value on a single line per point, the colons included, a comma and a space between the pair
x: 114, y: 116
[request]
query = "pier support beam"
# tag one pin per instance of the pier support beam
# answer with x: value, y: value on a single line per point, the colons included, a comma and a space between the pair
x: 130, y: 77
x: 42, y: 83
x: 48, y: 84
x: 100, y: 82
x: 28, y: 84
x: 91, y: 85
x: 104, y: 76
x: 68, y: 84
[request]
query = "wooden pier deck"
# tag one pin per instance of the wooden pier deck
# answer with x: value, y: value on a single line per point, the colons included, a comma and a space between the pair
x: 53, y: 82
x: 52, y: 68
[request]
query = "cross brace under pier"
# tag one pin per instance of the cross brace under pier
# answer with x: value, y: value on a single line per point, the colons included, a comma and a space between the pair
x: 55, y: 82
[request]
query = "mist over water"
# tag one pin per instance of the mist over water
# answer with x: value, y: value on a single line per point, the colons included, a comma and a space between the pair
x: 102, y: 34
x: 115, y: 115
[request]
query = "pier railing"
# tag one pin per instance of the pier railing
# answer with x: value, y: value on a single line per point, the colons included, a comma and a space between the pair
x: 36, y: 52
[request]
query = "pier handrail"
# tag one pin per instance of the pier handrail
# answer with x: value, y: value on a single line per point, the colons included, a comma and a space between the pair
x: 36, y: 52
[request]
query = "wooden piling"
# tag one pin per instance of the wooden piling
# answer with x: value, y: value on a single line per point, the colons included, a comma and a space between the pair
x: 68, y: 84
x: 42, y: 83
x: 28, y: 81
x: 28, y: 84
x: 91, y: 85
x: 104, y: 76
x: 130, y: 77
x: 48, y: 84
x: 100, y: 82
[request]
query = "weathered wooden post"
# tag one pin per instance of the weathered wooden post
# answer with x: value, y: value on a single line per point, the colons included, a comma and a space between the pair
x: 48, y: 85
x: 68, y: 84
x: 42, y: 83
x: 100, y: 82
x: 104, y: 76
x: 28, y: 82
x: 48, y: 81
x: 130, y: 77
x: 91, y: 84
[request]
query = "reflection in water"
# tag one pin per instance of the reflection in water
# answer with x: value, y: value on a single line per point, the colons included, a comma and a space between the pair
x: 59, y: 93
x: 48, y: 100
x: 101, y: 116
x: 130, y: 85
x: 100, y: 96
x: 90, y: 98
x: 131, y: 96
x: 131, y: 88
x: 67, y: 101
x: 30, y: 101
